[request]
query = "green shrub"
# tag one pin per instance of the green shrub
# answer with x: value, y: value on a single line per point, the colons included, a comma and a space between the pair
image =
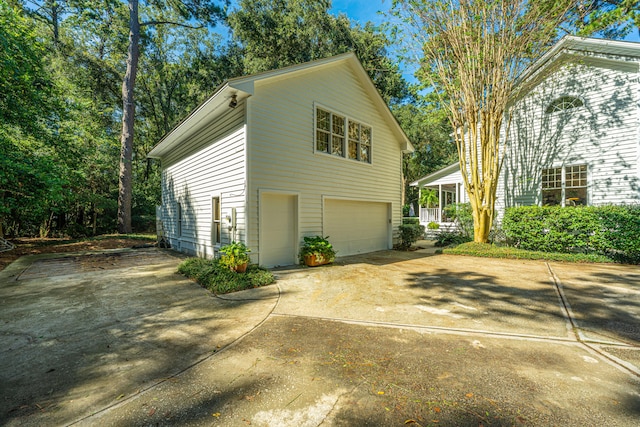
x: 492, y: 251
x: 433, y: 225
x: 409, y: 234
x: 613, y: 231
x: 411, y: 220
x: 462, y: 215
x: 219, y: 279
x: 447, y: 238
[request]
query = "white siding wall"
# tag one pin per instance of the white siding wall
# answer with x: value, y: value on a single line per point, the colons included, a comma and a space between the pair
x: 210, y: 164
x: 603, y: 134
x: 281, y: 156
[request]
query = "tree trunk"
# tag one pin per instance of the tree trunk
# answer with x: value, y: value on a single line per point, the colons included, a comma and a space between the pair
x: 482, y: 226
x: 125, y: 188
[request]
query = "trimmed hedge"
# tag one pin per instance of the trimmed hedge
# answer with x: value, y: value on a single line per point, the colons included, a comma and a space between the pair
x: 613, y: 231
x: 493, y: 251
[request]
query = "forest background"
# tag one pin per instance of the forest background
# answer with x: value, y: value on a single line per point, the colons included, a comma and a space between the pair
x: 62, y: 66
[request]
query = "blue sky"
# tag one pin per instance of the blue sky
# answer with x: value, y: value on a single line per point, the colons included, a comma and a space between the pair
x: 361, y: 10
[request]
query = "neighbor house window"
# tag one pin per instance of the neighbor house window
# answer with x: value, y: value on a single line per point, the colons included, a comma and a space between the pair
x: 564, y: 103
x: 341, y: 136
x: 179, y: 219
x: 565, y: 186
x: 216, y: 224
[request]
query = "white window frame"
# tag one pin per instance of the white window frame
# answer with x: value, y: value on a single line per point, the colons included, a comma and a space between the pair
x: 345, y: 137
x: 216, y: 223
x: 564, y: 103
x: 564, y: 169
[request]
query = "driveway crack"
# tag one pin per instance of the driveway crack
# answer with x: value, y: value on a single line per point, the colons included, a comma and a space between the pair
x: 587, y: 344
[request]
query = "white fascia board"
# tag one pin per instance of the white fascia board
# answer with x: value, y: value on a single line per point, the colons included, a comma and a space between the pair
x: 436, y: 175
x: 580, y: 46
x: 198, y: 118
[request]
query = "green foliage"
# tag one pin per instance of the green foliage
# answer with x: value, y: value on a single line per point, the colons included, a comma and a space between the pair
x: 234, y: 254
x: 606, y: 230
x: 429, y: 197
x: 426, y: 124
x: 280, y: 33
x: 492, y: 251
x: 318, y: 246
x: 449, y: 238
x: 610, y: 18
x: 411, y: 220
x: 409, y: 234
x: 462, y: 215
x: 219, y: 279
x: 433, y: 226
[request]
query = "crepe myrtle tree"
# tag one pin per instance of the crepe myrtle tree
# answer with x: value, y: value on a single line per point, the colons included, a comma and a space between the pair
x: 471, y: 52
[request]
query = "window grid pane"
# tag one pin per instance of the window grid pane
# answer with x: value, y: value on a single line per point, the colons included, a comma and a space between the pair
x: 322, y: 141
x: 336, y: 146
x: 552, y: 178
x: 576, y: 176
x: 323, y: 119
x: 333, y: 131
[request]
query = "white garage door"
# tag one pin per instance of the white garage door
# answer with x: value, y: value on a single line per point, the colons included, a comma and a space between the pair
x: 356, y: 227
x: 279, y: 224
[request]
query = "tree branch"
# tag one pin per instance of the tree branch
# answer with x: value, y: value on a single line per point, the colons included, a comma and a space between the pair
x: 149, y: 23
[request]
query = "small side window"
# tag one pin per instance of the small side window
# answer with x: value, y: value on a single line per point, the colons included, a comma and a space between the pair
x: 216, y: 228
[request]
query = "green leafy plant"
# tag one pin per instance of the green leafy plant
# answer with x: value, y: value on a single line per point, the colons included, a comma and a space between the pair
x: 410, y: 232
x: 219, y: 279
x: 318, y: 246
x: 234, y: 255
x: 462, y: 215
x: 429, y: 198
x: 433, y: 225
x: 449, y: 238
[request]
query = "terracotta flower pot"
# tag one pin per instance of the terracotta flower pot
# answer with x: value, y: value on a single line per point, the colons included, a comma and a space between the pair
x: 241, y: 268
x: 313, y: 261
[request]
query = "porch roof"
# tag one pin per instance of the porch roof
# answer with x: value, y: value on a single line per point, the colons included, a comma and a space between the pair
x: 448, y: 175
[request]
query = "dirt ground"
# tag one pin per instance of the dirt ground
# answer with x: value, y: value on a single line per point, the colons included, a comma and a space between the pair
x: 35, y: 246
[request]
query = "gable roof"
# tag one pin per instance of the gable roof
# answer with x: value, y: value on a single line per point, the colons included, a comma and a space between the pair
x: 441, y: 173
x: 243, y: 87
x: 617, y: 50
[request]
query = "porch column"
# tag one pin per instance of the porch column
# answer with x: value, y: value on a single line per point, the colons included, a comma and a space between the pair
x: 440, y: 203
x: 457, y: 193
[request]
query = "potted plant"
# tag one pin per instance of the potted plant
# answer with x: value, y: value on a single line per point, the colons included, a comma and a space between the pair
x: 317, y: 250
x: 235, y: 255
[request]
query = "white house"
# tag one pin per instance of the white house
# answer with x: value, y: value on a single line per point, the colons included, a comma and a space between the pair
x: 310, y: 149
x: 575, y: 130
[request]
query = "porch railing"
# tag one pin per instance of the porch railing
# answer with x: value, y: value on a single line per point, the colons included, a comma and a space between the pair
x: 428, y: 215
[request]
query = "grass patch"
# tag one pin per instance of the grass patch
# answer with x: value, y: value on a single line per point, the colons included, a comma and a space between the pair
x: 211, y: 275
x: 492, y: 251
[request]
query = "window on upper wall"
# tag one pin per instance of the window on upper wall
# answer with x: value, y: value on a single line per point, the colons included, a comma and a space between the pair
x: 564, y: 103
x: 341, y: 136
x: 565, y: 186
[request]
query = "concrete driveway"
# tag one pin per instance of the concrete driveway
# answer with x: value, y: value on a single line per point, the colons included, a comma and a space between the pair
x: 383, y: 339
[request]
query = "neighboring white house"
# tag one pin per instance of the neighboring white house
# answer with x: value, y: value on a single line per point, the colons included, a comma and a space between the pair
x: 310, y: 149
x: 575, y: 130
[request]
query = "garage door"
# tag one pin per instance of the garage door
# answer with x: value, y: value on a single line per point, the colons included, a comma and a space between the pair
x: 356, y: 227
x: 279, y: 225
